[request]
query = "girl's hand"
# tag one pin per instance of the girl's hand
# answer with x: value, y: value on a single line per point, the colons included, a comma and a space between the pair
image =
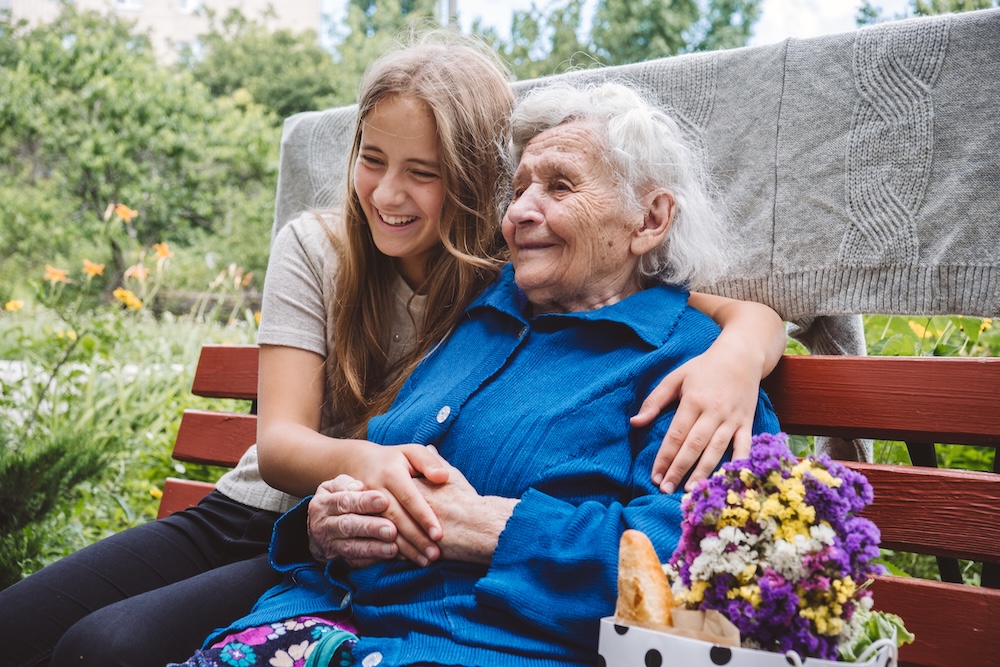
x: 718, y: 400
x: 392, y: 470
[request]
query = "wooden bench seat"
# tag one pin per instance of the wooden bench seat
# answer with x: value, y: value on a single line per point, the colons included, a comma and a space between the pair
x: 921, y: 401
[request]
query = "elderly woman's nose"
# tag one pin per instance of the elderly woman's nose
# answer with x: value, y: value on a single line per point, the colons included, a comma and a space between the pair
x: 524, y: 208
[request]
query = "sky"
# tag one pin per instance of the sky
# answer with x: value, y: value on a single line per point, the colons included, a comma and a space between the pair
x: 779, y: 18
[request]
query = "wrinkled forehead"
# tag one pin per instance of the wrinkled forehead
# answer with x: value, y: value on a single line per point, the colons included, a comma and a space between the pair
x: 574, y: 145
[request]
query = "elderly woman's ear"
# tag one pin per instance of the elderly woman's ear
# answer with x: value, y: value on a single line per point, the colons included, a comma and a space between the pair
x: 658, y: 214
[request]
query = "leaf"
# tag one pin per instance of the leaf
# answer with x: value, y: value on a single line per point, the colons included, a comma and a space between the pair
x: 896, y: 345
x: 971, y: 326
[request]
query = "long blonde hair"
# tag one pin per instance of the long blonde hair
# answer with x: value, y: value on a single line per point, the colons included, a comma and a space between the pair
x: 466, y: 89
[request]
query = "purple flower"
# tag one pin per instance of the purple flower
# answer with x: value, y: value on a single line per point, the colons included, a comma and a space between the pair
x: 786, y: 574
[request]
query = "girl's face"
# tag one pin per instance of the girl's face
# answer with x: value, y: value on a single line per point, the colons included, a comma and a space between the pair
x: 397, y: 178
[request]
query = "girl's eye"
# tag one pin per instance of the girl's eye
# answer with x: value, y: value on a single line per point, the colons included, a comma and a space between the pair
x: 370, y: 161
x: 425, y: 175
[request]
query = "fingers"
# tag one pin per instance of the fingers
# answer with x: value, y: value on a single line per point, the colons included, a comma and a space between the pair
x: 711, y: 455
x: 663, y: 395
x: 340, y: 483
x: 414, y: 541
x: 427, y: 462
x: 666, y: 475
x: 343, y: 522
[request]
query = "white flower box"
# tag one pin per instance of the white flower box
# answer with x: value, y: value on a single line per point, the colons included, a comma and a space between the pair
x: 632, y: 646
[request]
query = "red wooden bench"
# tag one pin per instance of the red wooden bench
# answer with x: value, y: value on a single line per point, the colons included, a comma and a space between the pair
x: 922, y: 509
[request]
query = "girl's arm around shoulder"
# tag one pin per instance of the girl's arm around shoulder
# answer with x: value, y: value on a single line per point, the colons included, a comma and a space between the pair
x: 717, y: 390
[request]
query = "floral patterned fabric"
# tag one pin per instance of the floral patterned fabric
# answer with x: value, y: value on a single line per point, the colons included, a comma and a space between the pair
x: 304, y: 641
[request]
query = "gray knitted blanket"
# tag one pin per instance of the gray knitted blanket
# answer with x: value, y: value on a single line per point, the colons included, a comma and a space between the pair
x: 860, y: 170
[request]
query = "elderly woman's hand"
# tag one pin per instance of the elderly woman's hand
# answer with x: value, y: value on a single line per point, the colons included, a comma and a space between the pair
x: 392, y: 471
x: 344, y: 522
x: 471, y: 523
x: 717, y: 391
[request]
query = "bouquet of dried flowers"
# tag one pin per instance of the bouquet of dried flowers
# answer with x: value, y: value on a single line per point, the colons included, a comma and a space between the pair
x: 776, y: 545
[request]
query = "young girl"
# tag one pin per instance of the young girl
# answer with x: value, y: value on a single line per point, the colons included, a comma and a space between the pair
x: 350, y: 306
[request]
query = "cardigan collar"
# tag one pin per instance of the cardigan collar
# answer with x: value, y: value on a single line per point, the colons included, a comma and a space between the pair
x: 651, y: 313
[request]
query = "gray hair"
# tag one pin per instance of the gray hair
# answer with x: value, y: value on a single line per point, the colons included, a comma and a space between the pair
x: 646, y: 149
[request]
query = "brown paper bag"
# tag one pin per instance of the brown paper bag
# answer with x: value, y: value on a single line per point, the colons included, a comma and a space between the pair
x: 710, y: 626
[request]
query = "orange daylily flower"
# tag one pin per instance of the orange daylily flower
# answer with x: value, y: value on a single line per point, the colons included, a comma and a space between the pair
x: 13, y: 305
x: 246, y: 279
x: 137, y: 271
x: 163, y: 250
x: 92, y: 269
x: 54, y: 275
x: 125, y: 213
x: 128, y: 298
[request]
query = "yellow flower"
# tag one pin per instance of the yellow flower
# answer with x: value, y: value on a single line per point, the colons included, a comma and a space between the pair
x: 247, y: 278
x: 128, y: 298
x: 917, y: 328
x: 15, y: 305
x: 256, y: 318
x: 163, y: 250
x: 822, y: 476
x: 125, y: 213
x: 54, y: 275
x: 137, y: 271
x: 987, y: 323
x: 156, y: 492
x: 66, y: 334
x: 92, y: 269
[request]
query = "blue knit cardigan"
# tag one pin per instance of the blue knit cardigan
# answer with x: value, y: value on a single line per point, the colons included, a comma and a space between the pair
x: 535, y: 408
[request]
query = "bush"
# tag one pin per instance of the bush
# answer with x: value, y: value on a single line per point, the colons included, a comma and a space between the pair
x: 91, y: 394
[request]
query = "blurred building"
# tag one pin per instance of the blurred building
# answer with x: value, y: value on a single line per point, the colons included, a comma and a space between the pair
x: 173, y: 25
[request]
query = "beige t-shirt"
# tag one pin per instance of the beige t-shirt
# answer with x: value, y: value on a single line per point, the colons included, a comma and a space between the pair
x: 298, y: 285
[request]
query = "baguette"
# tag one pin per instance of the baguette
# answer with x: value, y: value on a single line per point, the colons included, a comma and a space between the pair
x: 644, y: 596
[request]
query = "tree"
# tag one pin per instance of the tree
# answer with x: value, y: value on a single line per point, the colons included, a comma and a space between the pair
x: 542, y: 44
x: 932, y: 7
x: 623, y: 31
x: 870, y: 14
x: 90, y: 119
x: 373, y: 26
x: 282, y: 71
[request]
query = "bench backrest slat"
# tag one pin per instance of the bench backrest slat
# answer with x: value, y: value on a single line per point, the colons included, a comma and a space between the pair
x: 214, y: 438
x: 939, y: 399
x: 933, y: 511
x: 955, y: 625
x: 227, y: 371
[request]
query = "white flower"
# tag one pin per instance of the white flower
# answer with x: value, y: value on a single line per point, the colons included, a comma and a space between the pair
x: 717, y: 555
x: 288, y: 658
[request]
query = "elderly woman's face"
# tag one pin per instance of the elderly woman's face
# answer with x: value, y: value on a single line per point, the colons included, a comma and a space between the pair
x: 568, y: 234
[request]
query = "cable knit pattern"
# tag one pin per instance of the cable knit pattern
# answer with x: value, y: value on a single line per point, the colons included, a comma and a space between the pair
x: 891, y: 143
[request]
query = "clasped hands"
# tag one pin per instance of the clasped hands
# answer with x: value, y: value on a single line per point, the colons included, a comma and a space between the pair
x: 415, y: 505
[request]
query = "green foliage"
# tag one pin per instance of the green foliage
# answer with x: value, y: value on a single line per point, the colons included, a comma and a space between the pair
x: 90, y: 399
x: 870, y: 14
x: 373, y: 26
x: 932, y: 7
x: 282, y: 71
x: 90, y: 119
x: 549, y: 41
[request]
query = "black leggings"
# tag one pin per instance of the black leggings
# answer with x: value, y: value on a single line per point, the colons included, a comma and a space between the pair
x: 144, y: 597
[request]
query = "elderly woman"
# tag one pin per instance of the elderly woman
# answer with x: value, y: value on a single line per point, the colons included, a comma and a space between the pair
x: 529, y: 399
